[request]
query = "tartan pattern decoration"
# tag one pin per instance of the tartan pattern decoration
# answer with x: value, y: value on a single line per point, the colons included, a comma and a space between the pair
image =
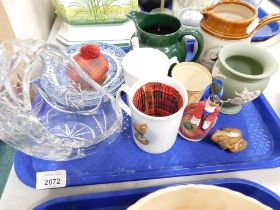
x: 78, y: 79
x: 157, y: 99
x: 96, y: 68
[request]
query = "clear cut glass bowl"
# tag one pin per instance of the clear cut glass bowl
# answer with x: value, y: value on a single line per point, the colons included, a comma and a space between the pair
x: 38, y: 124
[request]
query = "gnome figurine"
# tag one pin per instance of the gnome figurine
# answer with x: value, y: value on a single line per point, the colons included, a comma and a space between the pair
x: 199, y: 118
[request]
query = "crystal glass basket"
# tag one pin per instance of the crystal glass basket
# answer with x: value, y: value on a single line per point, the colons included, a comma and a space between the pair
x: 46, y: 114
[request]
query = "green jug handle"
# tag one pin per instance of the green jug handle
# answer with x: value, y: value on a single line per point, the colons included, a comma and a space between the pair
x: 198, y: 36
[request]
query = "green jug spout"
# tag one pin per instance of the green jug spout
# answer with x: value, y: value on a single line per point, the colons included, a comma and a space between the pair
x: 137, y: 16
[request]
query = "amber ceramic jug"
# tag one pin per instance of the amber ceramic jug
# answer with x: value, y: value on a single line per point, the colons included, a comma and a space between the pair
x: 227, y: 22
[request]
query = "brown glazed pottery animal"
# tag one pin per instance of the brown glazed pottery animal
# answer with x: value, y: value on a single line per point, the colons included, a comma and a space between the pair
x: 229, y: 138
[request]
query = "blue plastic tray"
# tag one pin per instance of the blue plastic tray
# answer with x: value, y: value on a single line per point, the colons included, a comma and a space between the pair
x: 124, y: 161
x: 120, y: 200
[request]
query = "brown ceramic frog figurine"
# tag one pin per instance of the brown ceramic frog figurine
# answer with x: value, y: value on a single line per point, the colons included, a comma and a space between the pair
x: 229, y: 138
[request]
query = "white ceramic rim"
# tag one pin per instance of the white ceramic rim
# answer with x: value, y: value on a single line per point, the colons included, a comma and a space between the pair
x: 248, y: 6
x: 158, y: 193
x: 131, y: 54
x: 197, y: 66
x: 165, y: 80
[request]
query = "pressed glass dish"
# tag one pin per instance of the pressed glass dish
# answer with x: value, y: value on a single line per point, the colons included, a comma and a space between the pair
x: 35, y: 122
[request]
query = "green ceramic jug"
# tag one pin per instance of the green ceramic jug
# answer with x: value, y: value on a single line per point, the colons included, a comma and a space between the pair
x: 164, y: 32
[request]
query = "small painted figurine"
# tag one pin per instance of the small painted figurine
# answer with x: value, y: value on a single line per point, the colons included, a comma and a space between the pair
x: 199, y: 118
x: 229, y: 138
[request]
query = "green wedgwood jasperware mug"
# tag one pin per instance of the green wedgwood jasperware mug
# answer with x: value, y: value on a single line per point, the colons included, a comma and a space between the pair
x: 245, y: 71
x: 164, y: 32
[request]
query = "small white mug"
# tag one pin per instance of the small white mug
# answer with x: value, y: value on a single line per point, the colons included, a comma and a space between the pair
x: 145, y: 63
x: 154, y: 134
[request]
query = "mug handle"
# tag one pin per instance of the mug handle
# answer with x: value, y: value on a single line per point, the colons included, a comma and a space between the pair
x: 134, y: 42
x: 123, y: 105
x: 198, y: 36
x: 266, y: 20
x: 173, y: 60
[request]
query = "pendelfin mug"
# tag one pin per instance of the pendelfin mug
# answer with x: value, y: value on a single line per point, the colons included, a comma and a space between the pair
x: 156, y: 108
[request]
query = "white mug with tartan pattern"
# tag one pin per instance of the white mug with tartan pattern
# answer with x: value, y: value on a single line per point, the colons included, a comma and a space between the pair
x: 156, y: 108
